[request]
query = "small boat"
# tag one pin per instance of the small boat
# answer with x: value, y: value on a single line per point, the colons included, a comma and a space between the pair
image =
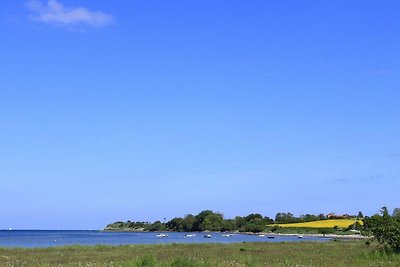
x: 207, y: 236
x: 190, y: 235
x: 261, y: 235
x: 161, y: 235
x: 270, y: 236
x: 226, y: 235
x: 300, y: 236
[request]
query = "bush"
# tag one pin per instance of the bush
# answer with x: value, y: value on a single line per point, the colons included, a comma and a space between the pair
x: 275, y: 228
x: 385, y: 229
x: 325, y: 231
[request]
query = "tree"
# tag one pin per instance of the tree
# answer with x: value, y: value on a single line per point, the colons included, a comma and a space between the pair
x: 253, y: 216
x: 239, y: 221
x: 360, y: 215
x: 213, y: 222
x: 228, y: 225
x: 202, y: 215
x: 253, y: 222
x: 176, y: 224
x: 198, y: 224
x: 308, y: 218
x: 156, y: 226
x: 268, y: 220
x: 282, y: 217
x: 396, y: 212
x: 254, y: 225
x: 188, y: 222
x: 385, y: 229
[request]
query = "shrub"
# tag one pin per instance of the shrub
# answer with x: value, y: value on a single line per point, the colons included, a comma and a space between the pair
x: 275, y: 228
x: 385, y: 229
x: 325, y: 231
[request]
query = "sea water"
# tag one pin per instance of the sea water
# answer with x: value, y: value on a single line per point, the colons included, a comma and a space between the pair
x: 49, y: 238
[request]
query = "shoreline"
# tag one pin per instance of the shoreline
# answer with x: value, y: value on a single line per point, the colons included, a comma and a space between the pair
x: 332, y: 236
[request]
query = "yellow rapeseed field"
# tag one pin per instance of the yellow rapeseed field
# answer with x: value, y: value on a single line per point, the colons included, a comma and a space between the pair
x: 343, y: 223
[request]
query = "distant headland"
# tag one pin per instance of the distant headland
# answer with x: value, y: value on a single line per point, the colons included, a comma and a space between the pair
x: 284, y: 222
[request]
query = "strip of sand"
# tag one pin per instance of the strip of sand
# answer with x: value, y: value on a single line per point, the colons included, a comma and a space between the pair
x: 333, y: 236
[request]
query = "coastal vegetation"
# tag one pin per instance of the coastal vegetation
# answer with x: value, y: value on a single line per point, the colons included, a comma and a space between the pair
x: 339, y: 253
x: 208, y: 220
x: 385, y: 229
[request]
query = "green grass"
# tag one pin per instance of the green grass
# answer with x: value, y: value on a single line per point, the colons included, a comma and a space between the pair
x: 339, y: 253
x: 307, y: 230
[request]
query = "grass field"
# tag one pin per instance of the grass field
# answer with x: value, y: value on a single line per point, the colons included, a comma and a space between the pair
x: 343, y: 223
x: 339, y: 253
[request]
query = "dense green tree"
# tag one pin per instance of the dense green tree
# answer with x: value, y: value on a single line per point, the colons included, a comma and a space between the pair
x: 156, y: 226
x: 254, y: 225
x: 176, y: 224
x: 253, y: 216
x: 308, y: 218
x: 198, y: 224
x: 239, y: 221
x: 385, y: 229
x: 253, y: 222
x: 202, y: 215
x: 188, y: 223
x: 282, y: 217
x: 229, y: 225
x: 213, y: 222
x: 268, y: 220
x: 208, y: 220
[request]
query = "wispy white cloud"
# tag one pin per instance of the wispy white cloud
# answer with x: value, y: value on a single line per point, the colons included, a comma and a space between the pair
x: 55, y: 12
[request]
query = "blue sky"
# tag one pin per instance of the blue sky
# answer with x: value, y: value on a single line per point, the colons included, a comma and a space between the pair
x: 142, y: 110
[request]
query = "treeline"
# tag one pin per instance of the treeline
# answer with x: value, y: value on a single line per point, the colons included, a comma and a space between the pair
x: 208, y: 220
x: 288, y: 217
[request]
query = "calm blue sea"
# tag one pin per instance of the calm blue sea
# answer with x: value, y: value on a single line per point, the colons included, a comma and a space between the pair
x: 46, y: 238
